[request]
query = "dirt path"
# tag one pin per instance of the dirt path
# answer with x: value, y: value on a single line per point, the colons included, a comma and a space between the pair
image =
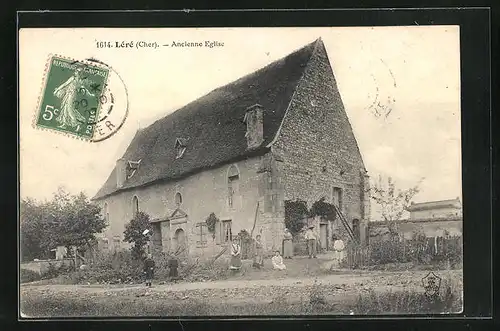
x: 363, y: 278
x: 215, y: 296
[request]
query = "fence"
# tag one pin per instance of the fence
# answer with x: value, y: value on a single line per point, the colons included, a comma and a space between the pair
x: 424, y: 250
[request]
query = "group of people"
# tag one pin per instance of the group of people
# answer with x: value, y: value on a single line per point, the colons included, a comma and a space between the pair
x: 287, y: 249
x: 258, y: 260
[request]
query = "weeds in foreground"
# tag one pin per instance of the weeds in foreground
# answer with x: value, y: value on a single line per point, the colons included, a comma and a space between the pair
x: 448, y: 300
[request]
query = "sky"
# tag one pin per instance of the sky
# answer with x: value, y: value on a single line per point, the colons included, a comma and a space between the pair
x: 417, y: 67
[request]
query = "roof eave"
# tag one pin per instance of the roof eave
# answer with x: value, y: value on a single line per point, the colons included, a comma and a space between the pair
x: 250, y: 153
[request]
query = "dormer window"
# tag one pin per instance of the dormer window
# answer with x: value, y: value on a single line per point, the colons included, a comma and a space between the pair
x: 254, y: 120
x: 132, y: 167
x: 180, y: 147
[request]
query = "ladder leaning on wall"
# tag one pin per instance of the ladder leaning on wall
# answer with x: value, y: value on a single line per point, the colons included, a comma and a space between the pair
x: 346, y: 225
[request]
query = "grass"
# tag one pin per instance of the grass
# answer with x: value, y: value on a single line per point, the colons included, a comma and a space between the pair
x: 448, y: 300
x: 316, y: 299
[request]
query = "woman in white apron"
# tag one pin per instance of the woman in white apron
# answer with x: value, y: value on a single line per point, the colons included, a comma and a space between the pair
x: 235, y: 254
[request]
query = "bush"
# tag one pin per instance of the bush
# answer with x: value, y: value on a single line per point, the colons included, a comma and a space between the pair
x: 28, y: 276
x: 113, y: 268
x: 133, y: 234
x: 419, y: 250
x: 448, y: 300
x: 53, y: 271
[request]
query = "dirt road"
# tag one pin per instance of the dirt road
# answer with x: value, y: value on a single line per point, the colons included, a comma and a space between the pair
x: 211, y: 298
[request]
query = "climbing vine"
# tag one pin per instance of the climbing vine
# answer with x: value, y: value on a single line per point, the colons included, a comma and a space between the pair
x: 211, y: 221
x: 323, y: 209
x: 295, y: 212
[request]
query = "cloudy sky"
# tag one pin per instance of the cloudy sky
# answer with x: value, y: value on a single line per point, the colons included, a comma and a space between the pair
x: 417, y: 67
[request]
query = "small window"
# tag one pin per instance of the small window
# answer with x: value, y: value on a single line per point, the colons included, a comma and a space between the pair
x: 232, y: 184
x: 226, y: 234
x: 337, y: 197
x: 180, y: 147
x: 202, y: 234
x: 178, y: 199
x: 132, y: 167
x: 135, y: 206
x: 180, y: 152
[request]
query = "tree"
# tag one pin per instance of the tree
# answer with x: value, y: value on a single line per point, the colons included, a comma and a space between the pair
x: 392, y: 201
x: 134, y: 233
x: 65, y: 220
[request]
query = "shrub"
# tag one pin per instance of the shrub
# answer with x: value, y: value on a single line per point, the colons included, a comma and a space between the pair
x: 448, y: 300
x: 420, y: 250
x: 118, y: 267
x: 316, y: 296
x: 206, y: 270
x: 133, y: 234
x: 28, y: 276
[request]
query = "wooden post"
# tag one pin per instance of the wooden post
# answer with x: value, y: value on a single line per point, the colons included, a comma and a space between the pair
x: 74, y: 257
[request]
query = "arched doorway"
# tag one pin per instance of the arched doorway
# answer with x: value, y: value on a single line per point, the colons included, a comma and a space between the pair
x: 180, y: 242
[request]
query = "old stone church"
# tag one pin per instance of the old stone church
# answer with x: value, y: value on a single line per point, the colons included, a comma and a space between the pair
x: 279, y: 133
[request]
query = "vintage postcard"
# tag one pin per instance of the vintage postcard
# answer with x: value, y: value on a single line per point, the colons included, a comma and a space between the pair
x: 170, y: 172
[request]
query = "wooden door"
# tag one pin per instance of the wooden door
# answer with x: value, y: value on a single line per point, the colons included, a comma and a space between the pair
x: 323, y: 235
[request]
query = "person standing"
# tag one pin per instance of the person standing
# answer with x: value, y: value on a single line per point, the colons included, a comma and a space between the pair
x: 338, y: 246
x: 258, y: 260
x: 173, y: 264
x: 235, y: 254
x: 149, y: 266
x: 311, y: 242
x: 287, y: 245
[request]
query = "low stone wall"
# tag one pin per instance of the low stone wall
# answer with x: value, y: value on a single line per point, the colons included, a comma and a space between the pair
x: 41, y: 267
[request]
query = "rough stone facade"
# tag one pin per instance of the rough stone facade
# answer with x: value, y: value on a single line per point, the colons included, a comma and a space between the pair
x: 314, y: 154
x: 319, y: 149
x: 202, y: 194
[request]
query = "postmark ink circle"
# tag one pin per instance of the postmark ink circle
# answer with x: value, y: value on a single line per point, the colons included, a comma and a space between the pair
x: 112, y: 101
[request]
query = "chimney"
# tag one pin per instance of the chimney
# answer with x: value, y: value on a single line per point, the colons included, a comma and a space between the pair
x: 121, y: 172
x: 254, y: 118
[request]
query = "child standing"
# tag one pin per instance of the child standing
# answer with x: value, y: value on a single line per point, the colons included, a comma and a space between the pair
x: 149, y: 266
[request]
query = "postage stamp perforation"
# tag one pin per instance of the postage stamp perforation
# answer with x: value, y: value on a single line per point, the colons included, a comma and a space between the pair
x: 42, y: 87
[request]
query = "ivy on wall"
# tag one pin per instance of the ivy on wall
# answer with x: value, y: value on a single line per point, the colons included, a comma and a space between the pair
x: 323, y: 209
x: 211, y: 221
x: 295, y: 212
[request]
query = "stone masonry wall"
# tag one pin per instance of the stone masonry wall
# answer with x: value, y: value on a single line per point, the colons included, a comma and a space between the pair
x: 318, y: 145
x: 202, y: 193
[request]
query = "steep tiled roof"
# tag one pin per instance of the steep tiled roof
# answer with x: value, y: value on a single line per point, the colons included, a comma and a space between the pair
x: 212, y: 126
x: 451, y: 203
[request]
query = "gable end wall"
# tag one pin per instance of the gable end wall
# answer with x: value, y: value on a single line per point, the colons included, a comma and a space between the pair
x: 317, y: 143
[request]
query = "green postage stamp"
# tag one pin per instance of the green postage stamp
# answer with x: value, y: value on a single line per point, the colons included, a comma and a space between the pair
x: 72, y: 97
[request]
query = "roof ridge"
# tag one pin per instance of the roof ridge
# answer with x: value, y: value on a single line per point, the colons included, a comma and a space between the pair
x: 246, y: 76
x: 218, y: 112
